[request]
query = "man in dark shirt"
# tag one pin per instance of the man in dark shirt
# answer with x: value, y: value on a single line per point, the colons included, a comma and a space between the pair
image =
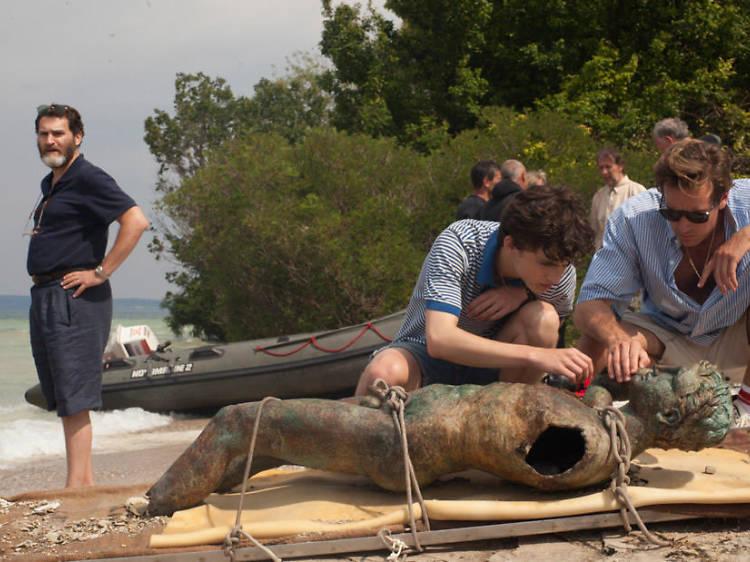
x: 71, y: 299
x: 512, y: 180
x: 484, y: 174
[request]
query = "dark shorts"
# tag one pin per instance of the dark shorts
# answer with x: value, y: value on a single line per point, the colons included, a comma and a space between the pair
x: 439, y: 371
x: 68, y: 337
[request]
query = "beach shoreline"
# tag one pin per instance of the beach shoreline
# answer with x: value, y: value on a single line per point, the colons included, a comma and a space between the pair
x: 131, y: 465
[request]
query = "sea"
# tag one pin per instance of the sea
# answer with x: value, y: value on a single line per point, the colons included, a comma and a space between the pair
x: 28, y: 432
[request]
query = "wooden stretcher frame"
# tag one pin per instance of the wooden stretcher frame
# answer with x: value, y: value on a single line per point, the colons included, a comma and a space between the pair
x: 426, y: 538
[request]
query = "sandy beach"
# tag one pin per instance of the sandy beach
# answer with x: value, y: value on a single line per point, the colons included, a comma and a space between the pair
x: 93, y: 523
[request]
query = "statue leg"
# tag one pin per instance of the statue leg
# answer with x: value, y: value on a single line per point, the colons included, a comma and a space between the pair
x: 213, y: 461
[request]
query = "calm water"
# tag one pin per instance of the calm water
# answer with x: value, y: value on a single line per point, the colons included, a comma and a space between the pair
x: 27, y: 431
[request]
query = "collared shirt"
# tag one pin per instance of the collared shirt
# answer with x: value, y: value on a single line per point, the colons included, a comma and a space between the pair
x: 641, y: 251
x: 75, y: 217
x: 606, y: 200
x: 458, y: 268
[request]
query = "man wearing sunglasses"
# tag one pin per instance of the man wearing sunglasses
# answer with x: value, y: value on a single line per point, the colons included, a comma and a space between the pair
x: 686, y: 244
x: 71, y: 299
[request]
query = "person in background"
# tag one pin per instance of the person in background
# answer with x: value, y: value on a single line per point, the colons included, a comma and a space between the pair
x: 484, y: 175
x: 671, y: 130
x: 686, y: 244
x: 668, y: 131
x: 536, y: 177
x: 618, y: 187
x: 512, y: 180
x: 488, y: 301
x: 711, y: 138
x: 71, y: 298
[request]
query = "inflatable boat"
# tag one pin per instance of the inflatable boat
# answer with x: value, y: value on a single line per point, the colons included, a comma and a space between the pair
x: 321, y: 364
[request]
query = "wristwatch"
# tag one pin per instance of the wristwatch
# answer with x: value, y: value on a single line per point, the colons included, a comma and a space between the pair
x: 99, y: 272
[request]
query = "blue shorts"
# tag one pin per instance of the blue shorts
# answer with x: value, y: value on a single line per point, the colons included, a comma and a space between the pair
x: 68, y: 336
x: 439, y: 371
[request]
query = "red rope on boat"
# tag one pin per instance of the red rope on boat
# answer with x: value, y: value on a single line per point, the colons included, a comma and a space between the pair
x: 314, y: 343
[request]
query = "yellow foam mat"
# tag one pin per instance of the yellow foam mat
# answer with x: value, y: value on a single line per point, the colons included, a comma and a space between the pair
x: 284, y: 502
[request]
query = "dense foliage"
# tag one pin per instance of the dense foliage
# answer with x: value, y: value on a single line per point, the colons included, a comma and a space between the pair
x: 278, y: 238
x: 617, y: 67
x: 312, y: 202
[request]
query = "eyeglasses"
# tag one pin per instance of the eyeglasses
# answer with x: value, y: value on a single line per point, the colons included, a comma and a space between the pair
x: 673, y: 215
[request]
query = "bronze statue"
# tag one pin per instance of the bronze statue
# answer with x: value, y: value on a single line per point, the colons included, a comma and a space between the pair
x: 531, y: 434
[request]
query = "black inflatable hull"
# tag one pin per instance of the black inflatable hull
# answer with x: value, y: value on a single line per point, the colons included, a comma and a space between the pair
x: 209, y: 377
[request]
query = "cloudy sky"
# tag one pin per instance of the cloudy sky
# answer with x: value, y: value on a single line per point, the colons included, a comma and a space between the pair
x: 116, y: 61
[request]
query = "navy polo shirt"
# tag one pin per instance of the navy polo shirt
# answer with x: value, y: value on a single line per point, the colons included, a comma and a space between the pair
x: 77, y: 214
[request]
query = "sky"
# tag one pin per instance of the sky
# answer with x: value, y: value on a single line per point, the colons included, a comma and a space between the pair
x: 116, y: 61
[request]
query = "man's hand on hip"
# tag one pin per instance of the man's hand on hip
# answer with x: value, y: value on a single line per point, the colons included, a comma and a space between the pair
x: 81, y: 279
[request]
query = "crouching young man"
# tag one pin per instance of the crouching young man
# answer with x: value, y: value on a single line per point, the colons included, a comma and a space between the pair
x: 488, y: 301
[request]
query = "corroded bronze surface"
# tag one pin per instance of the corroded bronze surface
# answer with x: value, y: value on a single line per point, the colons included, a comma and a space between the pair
x: 535, y: 435
x: 687, y: 408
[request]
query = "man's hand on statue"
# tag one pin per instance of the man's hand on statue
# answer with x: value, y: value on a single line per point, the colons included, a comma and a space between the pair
x: 624, y: 358
x: 723, y: 264
x: 569, y: 362
x: 81, y: 279
x: 495, y: 303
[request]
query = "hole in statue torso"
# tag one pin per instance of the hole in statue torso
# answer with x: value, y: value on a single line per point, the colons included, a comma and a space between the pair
x: 556, y: 450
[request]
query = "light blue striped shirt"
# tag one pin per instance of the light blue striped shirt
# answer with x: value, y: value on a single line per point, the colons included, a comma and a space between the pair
x: 459, y: 266
x: 642, y: 252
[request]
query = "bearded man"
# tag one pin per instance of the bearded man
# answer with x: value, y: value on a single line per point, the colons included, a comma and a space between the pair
x: 71, y: 298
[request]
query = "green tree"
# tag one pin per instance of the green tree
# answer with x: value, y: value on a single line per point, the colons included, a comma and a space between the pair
x: 292, y: 104
x: 206, y: 113
x: 617, y: 67
x: 281, y: 237
x: 684, y: 63
x: 285, y: 238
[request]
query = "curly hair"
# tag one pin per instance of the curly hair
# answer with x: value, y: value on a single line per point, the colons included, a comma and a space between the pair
x: 552, y: 218
x: 690, y: 163
x: 704, y: 409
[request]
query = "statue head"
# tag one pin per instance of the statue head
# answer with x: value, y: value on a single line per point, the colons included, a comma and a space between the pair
x: 689, y: 408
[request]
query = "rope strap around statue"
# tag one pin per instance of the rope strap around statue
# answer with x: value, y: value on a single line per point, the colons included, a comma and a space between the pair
x: 397, y: 398
x: 614, y: 421
x: 232, y: 540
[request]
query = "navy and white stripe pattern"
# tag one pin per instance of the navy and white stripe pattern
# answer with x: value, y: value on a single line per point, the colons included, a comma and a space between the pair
x: 641, y: 251
x: 453, y: 275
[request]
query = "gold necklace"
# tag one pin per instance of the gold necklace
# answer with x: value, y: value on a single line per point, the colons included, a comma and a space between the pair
x: 708, y: 254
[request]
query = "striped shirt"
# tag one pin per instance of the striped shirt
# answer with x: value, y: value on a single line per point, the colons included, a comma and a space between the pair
x: 642, y: 252
x: 458, y: 268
